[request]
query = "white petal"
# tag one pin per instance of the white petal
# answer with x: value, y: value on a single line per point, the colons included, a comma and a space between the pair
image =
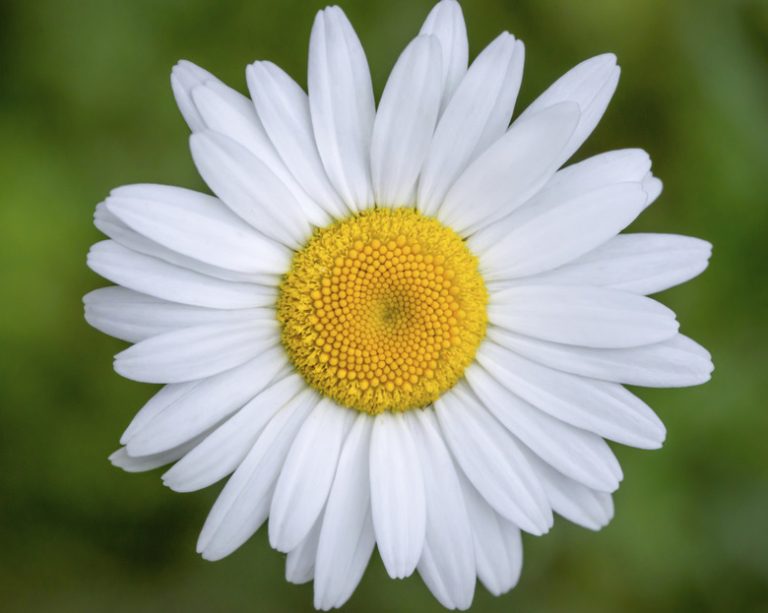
x: 511, y: 170
x: 307, y: 475
x: 591, y: 85
x: 588, y: 316
x: 573, y: 500
x: 230, y: 113
x: 397, y: 495
x: 198, y: 406
x: 207, y: 103
x: 300, y: 562
x: 405, y: 122
x: 604, y: 408
x: 617, y: 166
x: 199, y: 227
x: 492, y: 460
x: 652, y: 187
x: 447, y: 562
x: 557, y: 234
x: 225, y: 110
x: 249, y: 188
x: 122, y: 459
x: 359, y: 560
x: 118, y: 231
x: 568, y: 184
x: 477, y: 115
x: 195, y: 353
x: 638, y: 263
x: 243, y: 504
x: 167, y: 395
x: 151, y: 276
x: 133, y: 317
x: 185, y: 76
x: 283, y: 109
x: 346, y: 536
x: 223, y: 450
x: 446, y: 22
x: 342, y: 106
x: 581, y: 455
x: 498, y: 544
x: 677, y: 362
x: 583, y: 206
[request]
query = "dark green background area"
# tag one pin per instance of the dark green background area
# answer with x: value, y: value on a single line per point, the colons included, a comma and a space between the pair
x: 85, y: 105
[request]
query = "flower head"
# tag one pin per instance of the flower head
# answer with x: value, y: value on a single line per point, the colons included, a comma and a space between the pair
x: 404, y: 327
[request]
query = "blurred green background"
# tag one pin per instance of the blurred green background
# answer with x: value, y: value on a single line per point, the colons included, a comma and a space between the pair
x: 85, y: 105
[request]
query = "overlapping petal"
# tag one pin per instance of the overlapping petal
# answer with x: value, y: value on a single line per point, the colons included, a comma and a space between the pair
x: 477, y: 115
x: 398, y: 500
x: 405, y: 122
x: 283, y: 108
x: 446, y: 23
x: 341, y: 105
x: 134, y: 317
x: 243, y: 504
x: 511, y: 170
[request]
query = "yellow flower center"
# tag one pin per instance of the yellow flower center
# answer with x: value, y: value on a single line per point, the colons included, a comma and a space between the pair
x: 383, y: 311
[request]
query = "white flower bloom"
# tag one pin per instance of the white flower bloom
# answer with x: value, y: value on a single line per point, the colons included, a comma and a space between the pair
x: 401, y: 326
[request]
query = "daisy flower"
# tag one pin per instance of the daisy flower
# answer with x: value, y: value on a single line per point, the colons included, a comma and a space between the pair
x: 401, y: 326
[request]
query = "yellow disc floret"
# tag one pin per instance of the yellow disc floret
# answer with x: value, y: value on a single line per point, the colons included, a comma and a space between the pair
x: 383, y: 311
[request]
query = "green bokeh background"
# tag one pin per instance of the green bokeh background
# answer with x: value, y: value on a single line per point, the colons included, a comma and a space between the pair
x: 85, y: 105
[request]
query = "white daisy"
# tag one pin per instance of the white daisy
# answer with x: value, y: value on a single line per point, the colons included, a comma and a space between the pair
x: 399, y: 326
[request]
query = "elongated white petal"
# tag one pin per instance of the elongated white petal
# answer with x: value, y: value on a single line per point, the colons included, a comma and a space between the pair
x: 249, y: 188
x: 498, y: 544
x: 604, y: 408
x: 581, y: 455
x: 151, y: 276
x: 133, y: 317
x: 492, y: 460
x: 591, y: 85
x: 398, y: 500
x: 283, y: 109
x: 588, y: 316
x: 638, y: 263
x: 199, y: 227
x: 209, y: 104
x: 185, y: 76
x: 477, y: 115
x: 511, y: 170
x: 341, y: 105
x: 446, y: 22
x: 617, y: 166
x: 225, y: 110
x: 405, y: 122
x: 121, y: 233
x: 359, y: 561
x: 652, y: 187
x: 300, y: 562
x: 346, y: 535
x: 676, y: 362
x: 122, y: 459
x: 222, y: 451
x: 447, y: 562
x: 243, y: 504
x: 190, y: 409
x: 167, y: 395
x: 230, y: 113
x: 573, y: 500
x: 564, y: 195
x: 549, y: 237
x: 307, y: 475
x: 195, y: 353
